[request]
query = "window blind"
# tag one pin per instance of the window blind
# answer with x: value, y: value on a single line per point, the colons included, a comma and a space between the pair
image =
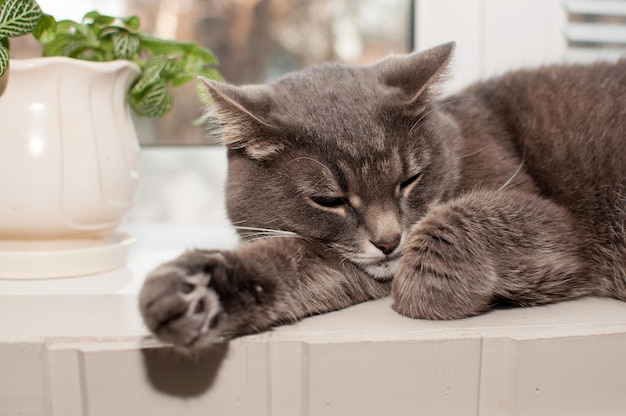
x: 595, y: 29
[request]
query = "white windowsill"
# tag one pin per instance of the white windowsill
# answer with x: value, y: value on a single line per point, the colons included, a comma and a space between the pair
x: 78, y: 346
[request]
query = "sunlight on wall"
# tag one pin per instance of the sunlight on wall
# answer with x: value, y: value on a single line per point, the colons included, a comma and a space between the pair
x: 167, y: 19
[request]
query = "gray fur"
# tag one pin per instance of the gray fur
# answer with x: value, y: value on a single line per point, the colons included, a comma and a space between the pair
x: 513, y: 191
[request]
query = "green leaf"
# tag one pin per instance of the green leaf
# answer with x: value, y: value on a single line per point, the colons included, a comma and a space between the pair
x: 192, y: 63
x: 212, y: 73
x: 151, y: 74
x: 156, y: 102
x: 86, y: 52
x: 55, y: 46
x: 90, y: 34
x: 46, y: 29
x: 18, y: 17
x: 4, y: 58
x: 73, y: 48
x: 171, y: 68
x: 181, y: 79
x: 172, y: 47
x: 203, y: 93
x: 202, y: 54
x: 132, y: 22
x: 96, y: 18
x: 125, y: 45
x: 68, y: 27
x: 99, y: 37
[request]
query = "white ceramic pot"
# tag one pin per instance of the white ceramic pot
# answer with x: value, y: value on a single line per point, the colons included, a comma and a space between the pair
x: 68, y: 157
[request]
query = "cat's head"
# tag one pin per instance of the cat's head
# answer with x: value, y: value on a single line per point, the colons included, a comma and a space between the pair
x: 351, y: 156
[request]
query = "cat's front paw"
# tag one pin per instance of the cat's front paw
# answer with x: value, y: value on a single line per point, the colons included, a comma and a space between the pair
x: 180, y: 301
x: 445, y: 273
x: 206, y: 296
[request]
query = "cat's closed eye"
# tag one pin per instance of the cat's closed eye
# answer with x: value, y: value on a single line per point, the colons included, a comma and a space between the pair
x: 406, y: 185
x: 329, y: 201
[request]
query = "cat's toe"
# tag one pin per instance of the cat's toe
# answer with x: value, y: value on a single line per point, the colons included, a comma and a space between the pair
x: 429, y: 293
x: 179, y: 307
x: 443, y: 275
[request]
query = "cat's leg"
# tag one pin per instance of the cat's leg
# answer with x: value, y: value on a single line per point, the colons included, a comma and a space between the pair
x: 485, y: 247
x: 207, y: 295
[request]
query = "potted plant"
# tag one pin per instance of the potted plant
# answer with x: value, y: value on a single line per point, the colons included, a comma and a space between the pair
x: 68, y: 148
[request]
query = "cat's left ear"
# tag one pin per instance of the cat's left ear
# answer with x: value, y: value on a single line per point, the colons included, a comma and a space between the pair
x: 412, y: 75
x: 244, y: 114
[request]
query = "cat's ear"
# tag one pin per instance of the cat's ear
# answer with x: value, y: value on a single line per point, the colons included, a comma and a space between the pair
x: 414, y: 74
x: 243, y: 113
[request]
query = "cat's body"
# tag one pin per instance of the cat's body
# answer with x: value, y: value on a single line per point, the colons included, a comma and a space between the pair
x: 512, y: 191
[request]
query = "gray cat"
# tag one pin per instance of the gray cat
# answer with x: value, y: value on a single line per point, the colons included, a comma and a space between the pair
x: 351, y: 183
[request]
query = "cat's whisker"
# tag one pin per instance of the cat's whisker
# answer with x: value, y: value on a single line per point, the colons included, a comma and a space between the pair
x: 269, y: 236
x: 265, y: 230
x: 435, y: 108
x: 517, y: 171
x: 475, y: 152
x: 266, y: 233
x: 308, y: 158
x: 343, y: 250
x: 344, y: 258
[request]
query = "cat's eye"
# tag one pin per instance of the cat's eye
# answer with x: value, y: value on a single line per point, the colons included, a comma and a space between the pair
x: 408, y: 182
x: 329, y: 201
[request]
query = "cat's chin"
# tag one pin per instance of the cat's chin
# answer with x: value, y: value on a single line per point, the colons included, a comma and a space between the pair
x: 382, y: 270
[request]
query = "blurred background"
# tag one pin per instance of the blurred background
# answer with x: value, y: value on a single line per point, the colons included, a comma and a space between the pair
x: 255, y: 40
x: 258, y: 40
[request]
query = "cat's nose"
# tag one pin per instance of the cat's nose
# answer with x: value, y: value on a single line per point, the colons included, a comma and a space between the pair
x: 388, y: 245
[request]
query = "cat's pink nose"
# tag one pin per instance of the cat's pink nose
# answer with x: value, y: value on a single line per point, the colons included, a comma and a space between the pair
x: 387, y: 246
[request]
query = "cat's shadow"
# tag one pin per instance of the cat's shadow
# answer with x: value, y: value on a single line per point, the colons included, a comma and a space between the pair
x: 175, y: 373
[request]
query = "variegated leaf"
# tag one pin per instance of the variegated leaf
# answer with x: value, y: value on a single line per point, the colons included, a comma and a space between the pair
x: 125, y: 45
x: 150, y: 75
x: 18, y: 17
x: 156, y: 102
x: 73, y: 48
x: 4, y: 59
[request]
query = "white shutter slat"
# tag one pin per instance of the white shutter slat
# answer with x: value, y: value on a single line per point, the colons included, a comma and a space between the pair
x: 596, y: 33
x: 595, y: 7
x: 585, y: 55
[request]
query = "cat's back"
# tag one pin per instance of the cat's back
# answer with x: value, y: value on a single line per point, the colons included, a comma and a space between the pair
x: 578, y: 104
x: 564, y: 126
x: 568, y: 122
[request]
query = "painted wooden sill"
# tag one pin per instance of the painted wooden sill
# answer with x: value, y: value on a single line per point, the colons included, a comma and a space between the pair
x: 78, y: 347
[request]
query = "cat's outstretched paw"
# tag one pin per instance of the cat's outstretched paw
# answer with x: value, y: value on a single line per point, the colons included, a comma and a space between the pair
x: 180, y: 302
x: 207, y: 296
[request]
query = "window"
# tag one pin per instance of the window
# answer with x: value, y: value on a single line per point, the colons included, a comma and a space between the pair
x: 256, y: 40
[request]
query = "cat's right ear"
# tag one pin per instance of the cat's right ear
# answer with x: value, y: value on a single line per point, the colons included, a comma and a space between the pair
x: 244, y: 117
x: 412, y: 76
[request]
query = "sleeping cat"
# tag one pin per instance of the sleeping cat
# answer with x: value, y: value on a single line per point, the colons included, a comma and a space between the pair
x: 350, y: 183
